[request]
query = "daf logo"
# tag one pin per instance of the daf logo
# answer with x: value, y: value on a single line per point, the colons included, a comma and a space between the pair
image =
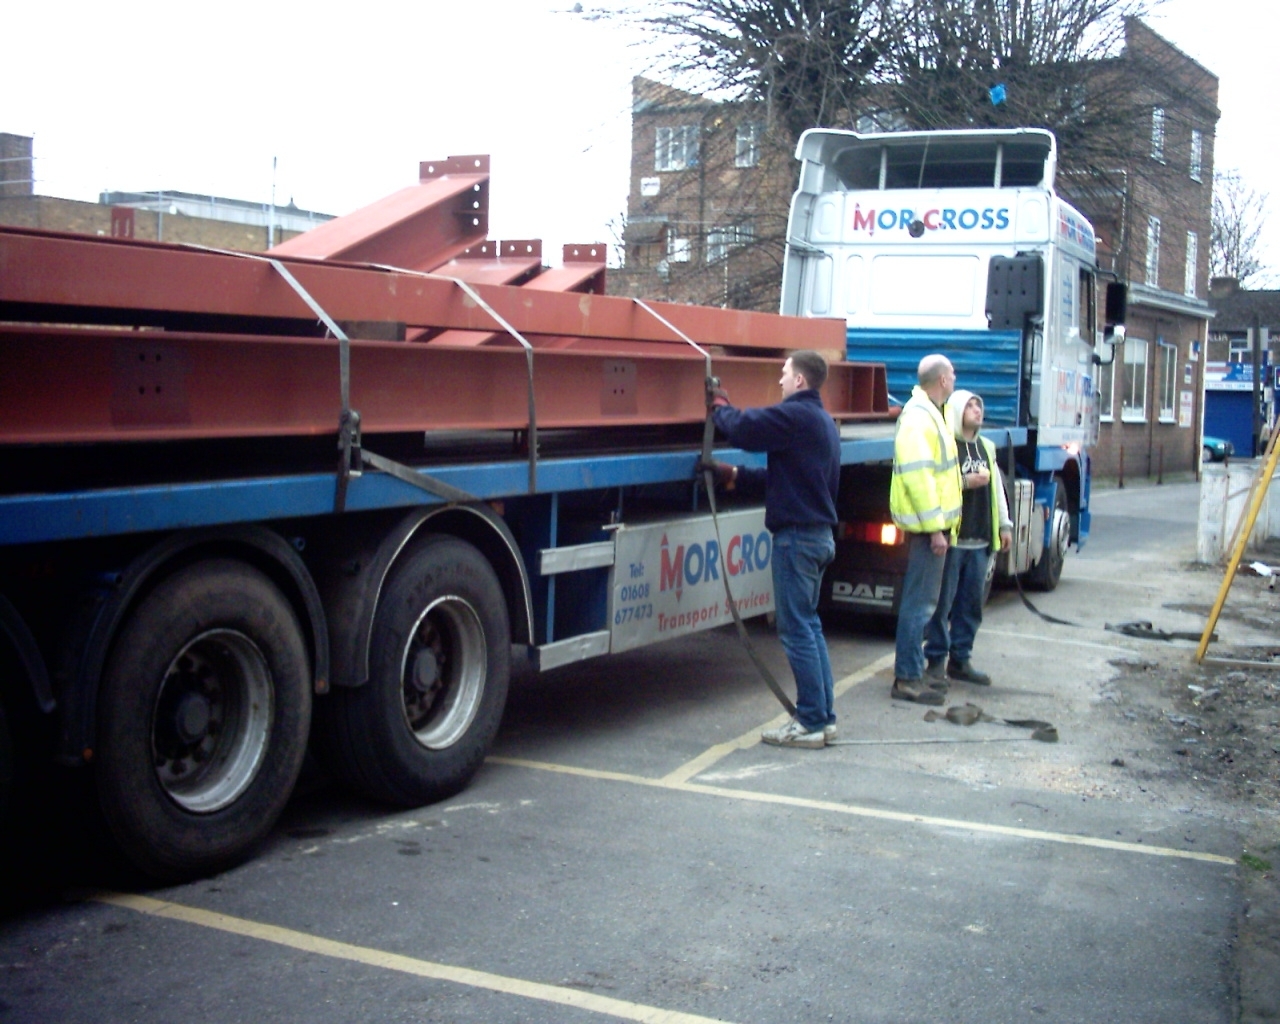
x: 862, y: 593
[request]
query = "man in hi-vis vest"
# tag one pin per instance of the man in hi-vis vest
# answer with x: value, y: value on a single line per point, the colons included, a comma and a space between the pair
x: 925, y: 503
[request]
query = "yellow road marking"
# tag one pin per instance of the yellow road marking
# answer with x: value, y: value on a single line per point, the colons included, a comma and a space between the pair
x: 749, y: 739
x: 868, y: 812
x: 588, y: 1001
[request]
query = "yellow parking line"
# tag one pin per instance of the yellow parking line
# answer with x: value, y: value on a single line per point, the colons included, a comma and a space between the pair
x: 869, y: 812
x: 579, y: 1000
x: 749, y: 739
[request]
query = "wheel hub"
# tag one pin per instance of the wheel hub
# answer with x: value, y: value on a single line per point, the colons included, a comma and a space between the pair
x: 443, y: 670
x: 426, y: 671
x: 191, y: 719
x: 212, y: 720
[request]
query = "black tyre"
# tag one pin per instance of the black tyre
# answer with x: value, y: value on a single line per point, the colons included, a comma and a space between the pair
x: 440, y: 661
x: 1206, y: 454
x: 203, y: 717
x: 1046, y: 573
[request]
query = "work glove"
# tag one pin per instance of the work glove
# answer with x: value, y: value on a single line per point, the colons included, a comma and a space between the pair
x: 719, y: 398
x: 725, y: 475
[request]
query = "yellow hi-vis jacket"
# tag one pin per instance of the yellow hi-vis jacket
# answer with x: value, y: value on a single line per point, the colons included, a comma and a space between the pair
x: 924, y: 496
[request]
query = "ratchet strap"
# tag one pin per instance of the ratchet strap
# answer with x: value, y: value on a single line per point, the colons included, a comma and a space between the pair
x: 353, y: 456
x: 709, y: 484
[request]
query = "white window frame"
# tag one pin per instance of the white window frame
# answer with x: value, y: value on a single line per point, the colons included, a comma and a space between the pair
x: 679, y: 249
x: 747, y: 145
x: 1133, y: 387
x: 675, y: 147
x: 1157, y: 133
x: 1168, y: 382
x: 1193, y: 255
x: 1153, y: 252
x: 724, y: 238
x: 1106, y: 391
x: 1196, y: 168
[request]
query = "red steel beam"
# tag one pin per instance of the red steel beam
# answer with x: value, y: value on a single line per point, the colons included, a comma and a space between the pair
x: 60, y: 384
x: 418, y: 228
x: 46, y: 268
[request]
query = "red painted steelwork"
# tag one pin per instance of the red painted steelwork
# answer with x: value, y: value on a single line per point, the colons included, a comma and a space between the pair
x: 61, y: 384
x: 417, y: 228
x: 50, y: 269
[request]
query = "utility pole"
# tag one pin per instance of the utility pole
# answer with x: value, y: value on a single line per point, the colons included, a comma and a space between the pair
x: 271, y: 217
x: 1257, y: 381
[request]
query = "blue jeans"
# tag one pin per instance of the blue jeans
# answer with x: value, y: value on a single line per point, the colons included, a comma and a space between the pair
x: 920, y: 589
x: 800, y: 555
x: 959, y: 614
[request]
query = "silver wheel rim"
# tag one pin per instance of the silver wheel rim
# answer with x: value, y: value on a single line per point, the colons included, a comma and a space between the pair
x: 1061, y: 533
x: 212, y: 721
x: 442, y: 672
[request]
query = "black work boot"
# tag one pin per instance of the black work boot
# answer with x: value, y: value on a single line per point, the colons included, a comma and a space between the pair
x: 918, y: 691
x: 935, y: 672
x: 964, y: 672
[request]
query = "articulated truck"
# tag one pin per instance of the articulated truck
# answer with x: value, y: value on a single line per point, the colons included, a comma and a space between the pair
x: 255, y: 503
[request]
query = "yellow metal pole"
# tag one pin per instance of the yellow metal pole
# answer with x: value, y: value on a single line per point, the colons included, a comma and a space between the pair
x: 1237, y: 552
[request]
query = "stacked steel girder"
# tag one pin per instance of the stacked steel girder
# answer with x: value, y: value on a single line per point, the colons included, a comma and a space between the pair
x: 108, y: 339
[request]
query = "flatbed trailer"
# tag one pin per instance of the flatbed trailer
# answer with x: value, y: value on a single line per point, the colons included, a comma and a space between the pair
x: 256, y: 503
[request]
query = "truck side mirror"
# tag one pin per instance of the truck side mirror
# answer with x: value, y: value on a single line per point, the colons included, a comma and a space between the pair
x: 1117, y: 307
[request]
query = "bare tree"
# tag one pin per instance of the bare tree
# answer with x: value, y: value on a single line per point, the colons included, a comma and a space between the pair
x: 808, y: 61
x: 932, y: 64
x: 1239, y: 216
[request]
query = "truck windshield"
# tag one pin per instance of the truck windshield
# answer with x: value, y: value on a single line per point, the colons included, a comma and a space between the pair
x: 942, y: 163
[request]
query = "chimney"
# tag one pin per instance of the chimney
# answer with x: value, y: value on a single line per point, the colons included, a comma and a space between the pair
x: 1223, y: 287
x: 16, y: 177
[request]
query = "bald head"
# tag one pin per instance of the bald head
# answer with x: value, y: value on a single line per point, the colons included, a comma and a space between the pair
x: 937, y: 377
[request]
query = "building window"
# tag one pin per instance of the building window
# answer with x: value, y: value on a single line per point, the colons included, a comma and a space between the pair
x: 1240, y: 349
x: 722, y: 240
x: 677, y: 148
x: 1197, y: 153
x: 1105, y: 381
x: 1168, y: 381
x: 1189, y: 281
x: 1157, y: 133
x: 1153, y: 252
x: 747, y: 151
x: 1133, y: 383
x: 678, y: 249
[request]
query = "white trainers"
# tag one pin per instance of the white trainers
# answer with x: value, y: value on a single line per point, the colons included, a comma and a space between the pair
x: 793, y: 734
x: 830, y: 732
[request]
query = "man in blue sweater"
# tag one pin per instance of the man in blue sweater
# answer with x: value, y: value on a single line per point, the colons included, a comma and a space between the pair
x: 800, y: 483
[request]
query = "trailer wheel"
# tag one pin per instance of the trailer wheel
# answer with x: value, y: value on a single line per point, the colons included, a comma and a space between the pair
x: 1046, y: 573
x: 440, y: 659
x: 203, y: 717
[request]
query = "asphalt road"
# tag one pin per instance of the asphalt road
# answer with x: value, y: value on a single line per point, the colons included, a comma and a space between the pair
x: 630, y: 852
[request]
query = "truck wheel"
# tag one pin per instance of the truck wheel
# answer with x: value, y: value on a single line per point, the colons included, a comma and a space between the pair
x: 1046, y: 573
x: 203, y: 716
x: 440, y: 658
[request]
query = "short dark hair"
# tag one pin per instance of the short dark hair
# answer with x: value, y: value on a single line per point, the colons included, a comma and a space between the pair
x: 811, y: 366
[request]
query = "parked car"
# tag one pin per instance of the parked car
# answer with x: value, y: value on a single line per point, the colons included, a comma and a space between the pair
x: 1216, y: 449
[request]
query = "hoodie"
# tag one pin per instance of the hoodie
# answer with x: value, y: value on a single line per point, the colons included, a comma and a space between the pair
x: 985, y: 510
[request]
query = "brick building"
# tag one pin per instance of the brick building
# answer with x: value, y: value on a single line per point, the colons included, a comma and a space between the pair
x: 707, y: 204
x: 707, y: 178
x: 153, y: 216
x: 1153, y: 230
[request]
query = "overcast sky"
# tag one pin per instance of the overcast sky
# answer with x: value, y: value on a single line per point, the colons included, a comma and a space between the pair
x: 141, y: 95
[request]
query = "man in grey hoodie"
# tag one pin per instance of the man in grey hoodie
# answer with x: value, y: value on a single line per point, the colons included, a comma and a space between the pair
x: 985, y: 528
